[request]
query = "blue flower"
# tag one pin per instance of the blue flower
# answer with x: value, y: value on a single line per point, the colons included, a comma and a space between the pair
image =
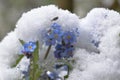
x: 59, y: 49
x: 53, y: 36
x: 52, y: 75
x: 49, y: 40
x: 63, y: 51
x: 69, y: 37
x: 57, y: 35
x: 68, y: 52
x: 29, y: 47
x: 56, y: 26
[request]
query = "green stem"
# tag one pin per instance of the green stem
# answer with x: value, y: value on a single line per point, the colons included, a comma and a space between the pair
x: 48, y: 50
x: 31, y: 69
x: 34, y: 64
x: 18, y: 60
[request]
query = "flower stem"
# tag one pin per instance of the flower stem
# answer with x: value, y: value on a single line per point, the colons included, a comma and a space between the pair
x: 34, y: 64
x: 48, y: 50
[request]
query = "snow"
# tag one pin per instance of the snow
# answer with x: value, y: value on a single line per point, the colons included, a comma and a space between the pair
x: 98, y: 21
x: 92, y: 63
x: 105, y: 65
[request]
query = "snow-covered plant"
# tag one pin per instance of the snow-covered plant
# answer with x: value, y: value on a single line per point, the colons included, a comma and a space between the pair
x: 53, y: 44
x: 64, y: 45
x: 58, y: 37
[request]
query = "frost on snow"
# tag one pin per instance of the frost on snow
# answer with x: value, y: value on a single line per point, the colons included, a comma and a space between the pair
x: 98, y: 48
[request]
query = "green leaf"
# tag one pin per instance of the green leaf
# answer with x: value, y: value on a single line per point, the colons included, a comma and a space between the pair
x: 69, y: 68
x: 65, y: 77
x: 20, y: 56
x: 34, y: 65
x: 22, y: 42
x: 18, y: 60
x: 69, y: 63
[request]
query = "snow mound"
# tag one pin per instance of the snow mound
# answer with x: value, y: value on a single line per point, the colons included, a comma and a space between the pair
x: 106, y: 64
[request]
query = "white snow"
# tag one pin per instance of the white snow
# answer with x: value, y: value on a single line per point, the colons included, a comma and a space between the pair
x: 101, y: 25
x: 106, y: 65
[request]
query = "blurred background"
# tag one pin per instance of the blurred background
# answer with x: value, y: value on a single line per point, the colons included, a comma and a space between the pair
x: 11, y: 10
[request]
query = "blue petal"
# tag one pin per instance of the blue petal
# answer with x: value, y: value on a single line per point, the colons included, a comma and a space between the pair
x: 69, y: 37
x: 51, y: 75
x: 56, y: 26
x: 26, y: 46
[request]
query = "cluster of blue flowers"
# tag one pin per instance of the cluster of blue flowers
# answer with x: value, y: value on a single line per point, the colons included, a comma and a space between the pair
x: 62, y: 40
x: 53, y: 35
x: 63, y: 51
x: 28, y: 49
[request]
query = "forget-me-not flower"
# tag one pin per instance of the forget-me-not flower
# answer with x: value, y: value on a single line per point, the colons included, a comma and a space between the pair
x: 69, y: 37
x: 63, y: 51
x: 29, y: 47
x: 54, y: 35
x: 56, y: 26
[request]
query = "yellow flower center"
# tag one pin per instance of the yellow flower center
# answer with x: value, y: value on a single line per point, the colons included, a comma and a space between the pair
x: 56, y: 36
x: 30, y: 47
x: 68, y: 37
